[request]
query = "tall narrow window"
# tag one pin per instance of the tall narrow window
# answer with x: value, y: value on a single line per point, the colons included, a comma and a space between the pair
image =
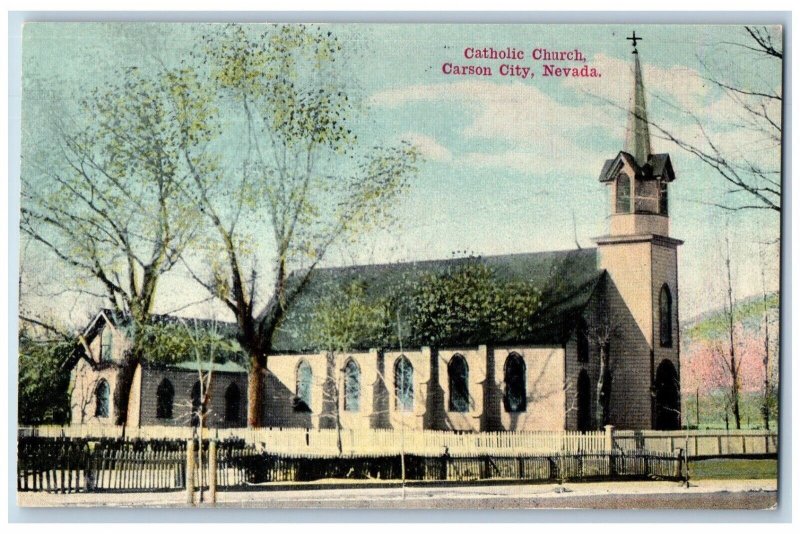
x: 458, y: 380
x: 623, y: 194
x: 165, y: 398
x: 665, y: 316
x: 106, y: 344
x: 233, y: 401
x: 582, y: 332
x: 663, y: 206
x: 102, y: 394
x: 303, y: 387
x: 352, y: 386
x: 404, y: 384
x: 515, y: 398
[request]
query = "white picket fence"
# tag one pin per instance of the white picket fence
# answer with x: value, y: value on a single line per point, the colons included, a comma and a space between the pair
x: 324, y: 442
x: 372, y: 442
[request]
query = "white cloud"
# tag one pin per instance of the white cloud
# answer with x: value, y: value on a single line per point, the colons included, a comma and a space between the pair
x: 679, y: 85
x: 539, y: 127
x: 429, y: 147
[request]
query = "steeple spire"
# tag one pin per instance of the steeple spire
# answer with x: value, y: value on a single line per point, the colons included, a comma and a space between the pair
x: 637, y: 137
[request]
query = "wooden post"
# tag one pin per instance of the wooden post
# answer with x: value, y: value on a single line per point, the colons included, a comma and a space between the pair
x: 190, y: 471
x: 212, y: 471
x: 609, y: 438
x: 610, y: 449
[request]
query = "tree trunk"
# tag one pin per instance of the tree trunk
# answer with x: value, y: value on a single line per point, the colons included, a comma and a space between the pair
x: 733, y: 364
x: 601, y: 409
x: 255, y: 394
x: 122, y: 388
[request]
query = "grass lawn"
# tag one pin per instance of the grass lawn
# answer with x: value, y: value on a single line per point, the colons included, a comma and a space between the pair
x: 733, y: 468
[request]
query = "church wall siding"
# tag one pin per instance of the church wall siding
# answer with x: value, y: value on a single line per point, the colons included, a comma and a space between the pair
x: 630, y: 305
x: 665, y: 270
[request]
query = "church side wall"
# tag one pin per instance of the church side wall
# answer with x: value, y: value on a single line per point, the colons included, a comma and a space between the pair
x: 476, y: 364
x: 82, y: 397
x: 544, y: 368
x: 182, y: 382
x: 545, y: 371
x: 377, y: 403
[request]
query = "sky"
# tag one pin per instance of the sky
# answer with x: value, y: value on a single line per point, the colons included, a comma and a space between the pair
x: 510, y: 165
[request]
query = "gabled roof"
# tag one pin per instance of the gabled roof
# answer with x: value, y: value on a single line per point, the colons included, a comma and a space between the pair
x: 105, y: 316
x: 566, y: 279
x: 658, y: 167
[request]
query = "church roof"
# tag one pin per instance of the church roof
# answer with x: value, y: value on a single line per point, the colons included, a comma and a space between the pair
x: 566, y: 279
x: 658, y: 167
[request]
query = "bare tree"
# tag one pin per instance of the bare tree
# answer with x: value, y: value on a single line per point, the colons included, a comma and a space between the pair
x: 768, y: 393
x: 729, y: 361
x: 753, y: 178
x: 601, y: 335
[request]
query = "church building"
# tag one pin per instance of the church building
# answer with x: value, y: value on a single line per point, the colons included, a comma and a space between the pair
x: 602, y: 348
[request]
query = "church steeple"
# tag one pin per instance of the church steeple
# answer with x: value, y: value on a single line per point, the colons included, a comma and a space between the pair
x: 638, y: 179
x: 637, y: 136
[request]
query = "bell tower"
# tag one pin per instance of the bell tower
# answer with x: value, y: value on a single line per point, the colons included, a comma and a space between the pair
x: 641, y: 260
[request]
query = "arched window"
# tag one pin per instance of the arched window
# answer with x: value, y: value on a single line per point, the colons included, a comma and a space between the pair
x: 665, y: 316
x: 582, y: 332
x: 102, y: 395
x: 352, y: 386
x: 458, y: 380
x: 515, y: 398
x: 623, y: 194
x: 197, y: 404
x: 233, y: 401
x: 165, y: 398
x: 404, y: 384
x: 303, y: 387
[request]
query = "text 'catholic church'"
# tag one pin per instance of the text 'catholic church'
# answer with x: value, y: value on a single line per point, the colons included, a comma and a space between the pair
x: 603, y: 349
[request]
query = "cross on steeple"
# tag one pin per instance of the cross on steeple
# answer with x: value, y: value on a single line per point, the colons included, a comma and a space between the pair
x: 634, y: 39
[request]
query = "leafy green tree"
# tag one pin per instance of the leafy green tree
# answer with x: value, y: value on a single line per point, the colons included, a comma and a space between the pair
x: 175, y: 342
x: 112, y: 199
x: 43, y: 382
x: 468, y: 302
x: 300, y: 182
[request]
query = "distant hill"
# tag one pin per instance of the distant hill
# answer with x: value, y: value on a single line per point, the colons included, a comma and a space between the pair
x: 712, y: 324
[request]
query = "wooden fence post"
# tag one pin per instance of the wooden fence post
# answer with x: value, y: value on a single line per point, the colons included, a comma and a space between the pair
x: 610, y: 449
x: 609, y: 437
x: 212, y: 471
x: 190, y: 471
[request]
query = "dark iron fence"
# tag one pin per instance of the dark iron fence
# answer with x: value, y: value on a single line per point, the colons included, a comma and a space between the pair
x: 80, y: 465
